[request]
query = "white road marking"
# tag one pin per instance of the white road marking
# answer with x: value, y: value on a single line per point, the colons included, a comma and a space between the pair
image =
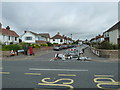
x: 58, y: 69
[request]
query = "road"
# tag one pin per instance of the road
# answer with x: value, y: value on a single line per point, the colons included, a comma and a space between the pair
x: 40, y: 72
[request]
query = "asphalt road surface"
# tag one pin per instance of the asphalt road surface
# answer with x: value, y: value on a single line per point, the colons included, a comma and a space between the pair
x: 40, y: 72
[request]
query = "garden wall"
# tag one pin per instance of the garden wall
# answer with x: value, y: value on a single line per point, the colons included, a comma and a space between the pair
x: 105, y: 53
x: 7, y: 53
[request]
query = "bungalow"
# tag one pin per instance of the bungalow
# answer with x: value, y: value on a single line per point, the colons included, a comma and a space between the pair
x: 113, y: 34
x: 31, y: 37
x: 8, y: 36
x: 61, y: 39
x: 57, y: 39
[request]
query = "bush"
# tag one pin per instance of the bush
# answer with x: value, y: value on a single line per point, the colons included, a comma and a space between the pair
x: 49, y: 44
x: 22, y: 44
x: 55, y: 43
x: 11, y: 47
x: 106, y: 45
x: 43, y: 44
x: 35, y: 45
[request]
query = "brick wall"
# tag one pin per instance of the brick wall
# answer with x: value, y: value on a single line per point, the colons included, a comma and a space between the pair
x: 7, y: 53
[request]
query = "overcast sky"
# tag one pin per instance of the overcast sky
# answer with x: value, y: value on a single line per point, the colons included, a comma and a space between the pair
x: 83, y: 20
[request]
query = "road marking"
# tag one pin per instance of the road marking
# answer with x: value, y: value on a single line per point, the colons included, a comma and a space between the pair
x: 66, y: 75
x: 65, y: 84
x: 4, y: 72
x: 105, y: 80
x: 71, y: 80
x: 32, y: 73
x: 98, y: 80
x: 58, y: 69
x: 103, y: 75
x: 110, y: 83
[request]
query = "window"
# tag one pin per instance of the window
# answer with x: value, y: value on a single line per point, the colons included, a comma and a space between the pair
x: 28, y: 38
x: 15, y: 38
x: 9, y: 37
x: 61, y: 40
x: 53, y: 39
x: 3, y: 37
x: 39, y: 38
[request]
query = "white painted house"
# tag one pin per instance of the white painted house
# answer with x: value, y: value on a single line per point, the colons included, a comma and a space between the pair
x: 97, y: 39
x: 113, y: 34
x: 31, y: 37
x: 57, y: 39
x: 61, y: 39
x: 8, y: 36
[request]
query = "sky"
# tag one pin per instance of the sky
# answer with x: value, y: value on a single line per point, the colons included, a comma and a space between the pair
x: 84, y: 20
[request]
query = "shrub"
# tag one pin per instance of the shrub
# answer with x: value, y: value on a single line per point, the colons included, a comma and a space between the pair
x: 35, y: 45
x: 43, y: 44
x: 55, y: 43
x: 49, y: 44
x: 106, y: 45
x: 22, y: 44
x: 11, y: 47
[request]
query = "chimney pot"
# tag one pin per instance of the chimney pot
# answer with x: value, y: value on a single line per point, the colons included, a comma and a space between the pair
x: 8, y: 27
x: 25, y: 31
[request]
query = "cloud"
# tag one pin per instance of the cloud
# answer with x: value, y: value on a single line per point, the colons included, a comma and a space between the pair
x: 83, y: 20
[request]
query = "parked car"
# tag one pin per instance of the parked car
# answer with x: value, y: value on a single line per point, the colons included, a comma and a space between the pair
x: 69, y: 46
x: 64, y: 46
x: 57, y: 48
x: 72, y: 52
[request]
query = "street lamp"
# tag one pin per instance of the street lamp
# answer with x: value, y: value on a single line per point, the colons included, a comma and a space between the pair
x: 71, y: 36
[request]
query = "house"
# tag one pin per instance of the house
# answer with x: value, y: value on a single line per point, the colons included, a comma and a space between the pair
x: 80, y: 42
x: 31, y: 37
x: 58, y: 39
x: 93, y: 40
x: 8, y: 36
x: 99, y: 38
x: 113, y: 34
x: 69, y: 40
x: 61, y: 39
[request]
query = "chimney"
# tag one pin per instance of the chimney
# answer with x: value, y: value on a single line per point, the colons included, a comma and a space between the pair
x: 25, y: 31
x: 8, y: 27
x: 58, y: 33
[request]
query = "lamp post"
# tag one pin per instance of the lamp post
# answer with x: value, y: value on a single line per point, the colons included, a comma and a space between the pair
x: 71, y: 36
x: 78, y: 51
